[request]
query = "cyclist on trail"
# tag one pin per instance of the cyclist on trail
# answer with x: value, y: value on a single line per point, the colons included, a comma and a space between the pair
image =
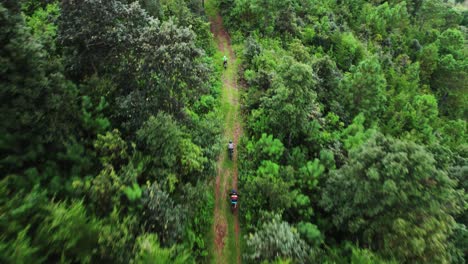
x: 225, y: 60
x: 233, y: 196
x: 230, y: 148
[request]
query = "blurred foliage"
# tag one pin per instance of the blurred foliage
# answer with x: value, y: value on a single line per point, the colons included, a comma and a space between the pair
x: 96, y: 99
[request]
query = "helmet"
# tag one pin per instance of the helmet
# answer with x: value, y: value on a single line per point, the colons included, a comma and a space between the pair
x: 230, y: 141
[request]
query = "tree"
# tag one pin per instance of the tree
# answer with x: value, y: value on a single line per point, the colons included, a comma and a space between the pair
x: 428, y: 59
x: 348, y: 51
x: 20, y: 250
x: 450, y: 78
x: 70, y: 233
x: 38, y: 105
x: 413, y: 118
x: 266, y: 148
x: 265, y: 192
x: 162, y: 216
x: 160, y: 137
x: 172, y: 71
x: 105, y: 190
x: 364, y: 89
x: 174, y: 156
x: 275, y: 240
x: 96, y: 35
x: 111, y: 148
x: 310, y: 233
x: 291, y: 101
x: 355, y: 134
x: 392, y: 197
x: 149, y: 251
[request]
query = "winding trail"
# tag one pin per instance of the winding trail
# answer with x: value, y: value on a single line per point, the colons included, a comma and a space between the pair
x: 226, y: 230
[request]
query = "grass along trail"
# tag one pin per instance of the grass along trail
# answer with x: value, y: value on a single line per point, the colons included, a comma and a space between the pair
x: 226, y: 230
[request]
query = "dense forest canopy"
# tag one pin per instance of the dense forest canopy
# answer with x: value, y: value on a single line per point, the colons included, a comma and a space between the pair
x: 355, y: 142
x: 109, y: 131
x: 356, y: 130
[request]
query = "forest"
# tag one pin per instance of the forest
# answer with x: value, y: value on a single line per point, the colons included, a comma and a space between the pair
x: 113, y: 127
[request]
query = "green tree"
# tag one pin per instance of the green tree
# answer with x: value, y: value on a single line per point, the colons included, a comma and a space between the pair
x: 275, y: 240
x: 20, y: 250
x: 174, y: 157
x: 160, y: 137
x: 149, y: 251
x: 70, y: 233
x: 266, y: 191
x: 356, y: 134
x: 266, y: 148
x: 173, y: 71
x: 310, y: 233
x: 38, y: 105
x: 450, y: 78
x: 96, y: 35
x: 348, y: 51
x: 364, y: 89
x: 162, y: 216
x: 111, y: 148
x: 392, y: 197
x: 413, y: 118
x: 290, y: 101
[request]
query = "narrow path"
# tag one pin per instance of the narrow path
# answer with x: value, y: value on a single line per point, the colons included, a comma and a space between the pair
x: 226, y: 225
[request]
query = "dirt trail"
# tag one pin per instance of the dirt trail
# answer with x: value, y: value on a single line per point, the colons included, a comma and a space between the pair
x: 226, y: 225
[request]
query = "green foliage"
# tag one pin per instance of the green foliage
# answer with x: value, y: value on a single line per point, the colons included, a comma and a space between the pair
x: 192, y: 159
x: 133, y: 193
x: 43, y: 25
x: 275, y: 240
x: 415, y: 119
x: 70, y: 232
x: 459, y: 247
x: 111, y: 148
x: 309, y: 173
x: 383, y: 176
x: 104, y: 190
x: 291, y: 100
x: 40, y: 105
x: 117, y: 237
x: 110, y: 129
x: 325, y: 78
x: 148, y: 251
x: 200, y: 206
x: 356, y: 134
x: 173, y: 155
x: 20, y: 250
x: 454, y: 134
x: 92, y: 118
x: 310, y: 233
x: 364, y: 89
x: 79, y: 81
x: 451, y: 42
x: 162, y: 216
x: 265, y: 191
x: 364, y: 256
x: 266, y: 148
x: 348, y: 51
x: 160, y: 136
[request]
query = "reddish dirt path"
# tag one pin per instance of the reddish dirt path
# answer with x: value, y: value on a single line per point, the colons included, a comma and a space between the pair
x: 227, y: 176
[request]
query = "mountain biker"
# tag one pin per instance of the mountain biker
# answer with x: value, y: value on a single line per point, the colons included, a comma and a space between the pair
x: 225, y: 59
x: 230, y: 148
x: 233, y: 197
